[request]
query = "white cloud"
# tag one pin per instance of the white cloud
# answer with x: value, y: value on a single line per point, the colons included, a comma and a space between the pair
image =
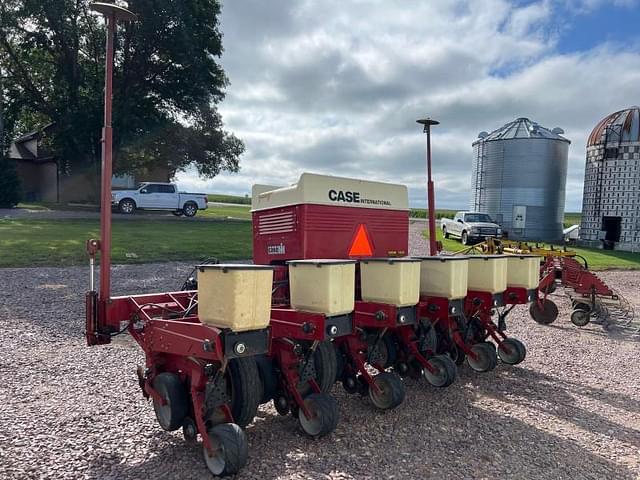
x: 336, y: 87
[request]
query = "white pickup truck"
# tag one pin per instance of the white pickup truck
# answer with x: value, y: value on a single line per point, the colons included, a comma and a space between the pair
x: 158, y: 196
x: 470, y: 227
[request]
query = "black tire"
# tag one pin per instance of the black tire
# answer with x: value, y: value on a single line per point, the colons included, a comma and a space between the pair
x: 387, y: 351
x: 582, y: 306
x: 340, y: 362
x: 171, y: 415
x: 487, y: 358
x: 545, y: 315
x: 324, y: 410
x: 190, y: 209
x: 127, y: 206
x: 512, y: 351
x: 245, y: 389
x: 464, y: 238
x: 445, y: 373
x: 350, y: 384
x: 457, y: 355
x: 231, y: 450
x: 326, y: 365
x: 178, y: 213
x: 268, y: 377
x: 391, y: 391
x: 580, y: 317
x: 445, y: 234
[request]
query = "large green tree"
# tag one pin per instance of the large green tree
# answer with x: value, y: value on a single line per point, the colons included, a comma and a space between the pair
x: 167, y: 82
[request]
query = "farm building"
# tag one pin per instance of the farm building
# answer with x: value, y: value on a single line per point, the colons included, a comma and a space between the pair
x: 611, y: 197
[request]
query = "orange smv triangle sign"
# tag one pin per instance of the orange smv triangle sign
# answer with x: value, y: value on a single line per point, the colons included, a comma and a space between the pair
x: 361, y: 245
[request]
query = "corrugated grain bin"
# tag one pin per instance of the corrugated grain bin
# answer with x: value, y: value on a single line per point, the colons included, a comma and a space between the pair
x: 323, y: 286
x: 487, y: 273
x: 523, y: 271
x: 235, y: 296
x: 394, y: 281
x: 443, y: 276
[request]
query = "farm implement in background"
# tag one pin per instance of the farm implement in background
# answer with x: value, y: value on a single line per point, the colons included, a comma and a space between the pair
x: 591, y: 298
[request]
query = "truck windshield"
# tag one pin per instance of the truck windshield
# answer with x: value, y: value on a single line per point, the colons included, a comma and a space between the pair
x: 477, y: 217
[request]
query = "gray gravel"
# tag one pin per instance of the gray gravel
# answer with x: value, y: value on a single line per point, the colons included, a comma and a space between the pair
x: 571, y: 410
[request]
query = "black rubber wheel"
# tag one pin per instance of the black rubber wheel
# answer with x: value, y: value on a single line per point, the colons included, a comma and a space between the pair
x: 580, y: 318
x: 464, y: 238
x: 127, y: 206
x: 390, y: 391
x: 190, y: 209
x: 445, y: 371
x: 545, y: 315
x: 230, y: 450
x: 486, y: 360
x: 171, y: 415
x: 582, y: 306
x: 350, y: 384
x: 178, y: 213
x: 387, y: 351
x: 245, y: 389
x: 457, y: 355
x: 429, y: 343
x: 324, y: 415
x: 512, y: 351
x: 281, y: 405
x: 268, y: 377
x: 326, y: 365
x: 445, y: 234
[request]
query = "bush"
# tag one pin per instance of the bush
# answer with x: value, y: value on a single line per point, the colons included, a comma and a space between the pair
x: 10, y: 188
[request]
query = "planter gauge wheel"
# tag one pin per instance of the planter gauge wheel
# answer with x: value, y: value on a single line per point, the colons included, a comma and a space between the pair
x: 230, y: 450
x: 172, y: 414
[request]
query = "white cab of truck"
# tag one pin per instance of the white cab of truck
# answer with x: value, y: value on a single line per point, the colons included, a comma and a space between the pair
x: 470, y: 227
x: 158, y: 196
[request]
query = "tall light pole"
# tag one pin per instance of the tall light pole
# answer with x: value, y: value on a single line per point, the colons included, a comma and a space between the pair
x: 433, y: 249
x: 112, y: 14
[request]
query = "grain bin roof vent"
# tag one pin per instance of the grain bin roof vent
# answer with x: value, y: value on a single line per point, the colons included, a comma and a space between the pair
x: 483, y: 134
x: 522, y: 128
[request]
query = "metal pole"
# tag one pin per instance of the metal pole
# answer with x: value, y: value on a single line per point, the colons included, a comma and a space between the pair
x: 107, y: 168
x: 433, y: 249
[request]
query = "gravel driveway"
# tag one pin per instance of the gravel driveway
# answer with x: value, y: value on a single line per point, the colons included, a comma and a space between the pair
x: 571, y: 410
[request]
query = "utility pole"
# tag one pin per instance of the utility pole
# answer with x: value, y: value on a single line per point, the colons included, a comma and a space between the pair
x: 433, y: 249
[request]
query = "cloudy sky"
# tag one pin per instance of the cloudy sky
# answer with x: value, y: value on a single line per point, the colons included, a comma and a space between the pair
x: 336, y: 86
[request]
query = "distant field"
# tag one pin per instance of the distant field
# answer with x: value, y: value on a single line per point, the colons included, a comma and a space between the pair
x: 29, y: 243
x: 223, y: 198
x: 226, y: 211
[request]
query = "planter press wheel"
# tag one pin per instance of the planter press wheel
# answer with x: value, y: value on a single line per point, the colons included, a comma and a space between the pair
x: 487, y: 358
x: 172, y: 414
x: 385, y: 352
x: 580, y: 317
x: 244, y: 392
x: 230, y: 450
x: 512, y: 351
x: 268, y: 378
x: 445, y: 371
x: 545, y: 315
x: 324, y: 415
x: 390, y: 391
x: 326, y: 364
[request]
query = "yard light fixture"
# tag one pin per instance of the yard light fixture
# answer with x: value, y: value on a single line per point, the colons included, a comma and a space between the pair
x: 428, y: 123
x: 112, y: 14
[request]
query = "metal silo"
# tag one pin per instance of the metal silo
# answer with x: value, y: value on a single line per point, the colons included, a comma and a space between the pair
x: 519, y: 177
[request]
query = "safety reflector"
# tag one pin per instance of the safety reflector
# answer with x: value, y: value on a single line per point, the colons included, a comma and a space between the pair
x: 361, y: 245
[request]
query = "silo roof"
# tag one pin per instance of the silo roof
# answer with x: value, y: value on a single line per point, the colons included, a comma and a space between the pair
x: 522, y: 128
x: 621, y: 126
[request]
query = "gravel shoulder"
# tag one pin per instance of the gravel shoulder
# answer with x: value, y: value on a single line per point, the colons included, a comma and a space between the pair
x: 570, y: 410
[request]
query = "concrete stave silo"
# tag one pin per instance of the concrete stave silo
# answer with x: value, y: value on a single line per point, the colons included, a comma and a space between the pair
x: 519, y: 178
x: 611, y: 195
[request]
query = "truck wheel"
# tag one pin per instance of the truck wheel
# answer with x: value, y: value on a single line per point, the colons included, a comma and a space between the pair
x: 464, y: 238
x: 127, y: 206
x: 190, y: 209
x: 445, y: 234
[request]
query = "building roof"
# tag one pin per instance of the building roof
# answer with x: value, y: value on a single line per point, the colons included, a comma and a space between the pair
x: 34, y: 134
x: 521, y: 128
x: 619, y: 127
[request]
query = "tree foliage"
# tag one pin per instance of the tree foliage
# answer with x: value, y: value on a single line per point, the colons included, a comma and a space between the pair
x: 167, y: 82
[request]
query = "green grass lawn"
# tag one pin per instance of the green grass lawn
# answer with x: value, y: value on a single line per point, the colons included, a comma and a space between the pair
x: 596, y: 259
x: 27, y: 243
x: 224, y: 211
